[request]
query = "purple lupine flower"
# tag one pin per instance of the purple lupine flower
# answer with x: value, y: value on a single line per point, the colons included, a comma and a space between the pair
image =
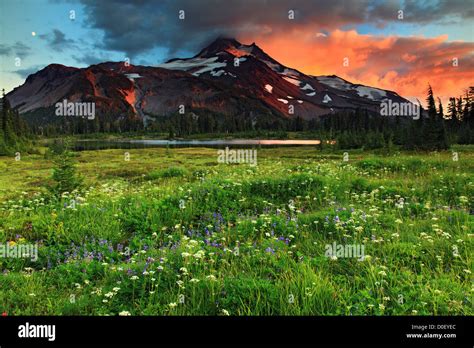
x: 270, y: 250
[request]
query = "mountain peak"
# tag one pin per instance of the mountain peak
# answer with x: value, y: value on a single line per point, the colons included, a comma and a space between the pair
x: 221, y: 44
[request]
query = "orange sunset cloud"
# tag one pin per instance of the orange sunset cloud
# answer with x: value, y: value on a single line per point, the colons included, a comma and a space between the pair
x: 403, y: 64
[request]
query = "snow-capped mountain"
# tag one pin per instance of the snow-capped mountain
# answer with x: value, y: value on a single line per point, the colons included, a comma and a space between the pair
x: 226, y: 77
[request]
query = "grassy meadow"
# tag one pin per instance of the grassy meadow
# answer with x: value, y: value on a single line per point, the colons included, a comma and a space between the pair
x: 174, y: 232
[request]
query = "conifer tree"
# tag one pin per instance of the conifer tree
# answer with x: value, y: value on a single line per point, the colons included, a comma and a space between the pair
x: 459, y: 107
x: 440, y: 109
x: 434, y: 130
x: 452, y: 110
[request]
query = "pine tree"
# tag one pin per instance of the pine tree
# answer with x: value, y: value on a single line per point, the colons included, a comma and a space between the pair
x: 431, y: 103
x: 434, y: 130
x: 440, y: 109
x: 467, y: 104
x: 452, y: 111
x: 7, y: 122
x: 65, y: 176
x: 471, y: 106
x: 459, y: 107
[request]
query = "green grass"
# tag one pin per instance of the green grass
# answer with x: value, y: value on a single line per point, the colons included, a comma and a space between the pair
x: 173, y: 232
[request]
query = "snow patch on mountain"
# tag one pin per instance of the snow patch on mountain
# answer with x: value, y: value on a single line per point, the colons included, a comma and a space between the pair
x: 307, y: 86
x: 363, y: 91
x: 312, y: 94
x: 206, y: 64
x: 218, y: 73
x: 132, y: 76
x: 371, y: 93
x: 284, y: 101
x: 210, y: 67
x: 290, y: 72
x: 327, y: 99
x: 335, y: 82
x: 292, y: 80
x: 273, y: 66
x: 269, y: 88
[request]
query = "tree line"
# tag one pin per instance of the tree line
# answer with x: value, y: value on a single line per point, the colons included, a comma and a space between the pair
x: 14, y: 132
x: 436, y: 128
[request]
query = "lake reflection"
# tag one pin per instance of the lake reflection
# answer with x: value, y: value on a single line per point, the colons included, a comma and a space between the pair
x: 81, y: 145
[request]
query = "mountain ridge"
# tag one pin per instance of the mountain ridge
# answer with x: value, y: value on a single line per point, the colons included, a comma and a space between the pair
x: 225, y: 77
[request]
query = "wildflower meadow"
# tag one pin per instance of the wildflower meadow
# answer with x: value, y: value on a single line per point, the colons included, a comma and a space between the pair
x: 172, y: 231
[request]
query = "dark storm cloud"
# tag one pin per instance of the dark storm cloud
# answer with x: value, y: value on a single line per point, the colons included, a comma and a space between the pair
x: 89, y: 59
x: 24, y: 73
x: 18, y: 49
x: 4, y: 50
x: 415, y: 11
x: 57, y: 40
x: 135, y: 27
x: 141, y: 25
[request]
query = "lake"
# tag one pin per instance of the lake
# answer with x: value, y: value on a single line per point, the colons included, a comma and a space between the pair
x: 81, y: 145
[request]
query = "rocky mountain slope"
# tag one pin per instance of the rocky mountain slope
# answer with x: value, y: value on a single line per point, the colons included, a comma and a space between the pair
x: 226, y: 77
